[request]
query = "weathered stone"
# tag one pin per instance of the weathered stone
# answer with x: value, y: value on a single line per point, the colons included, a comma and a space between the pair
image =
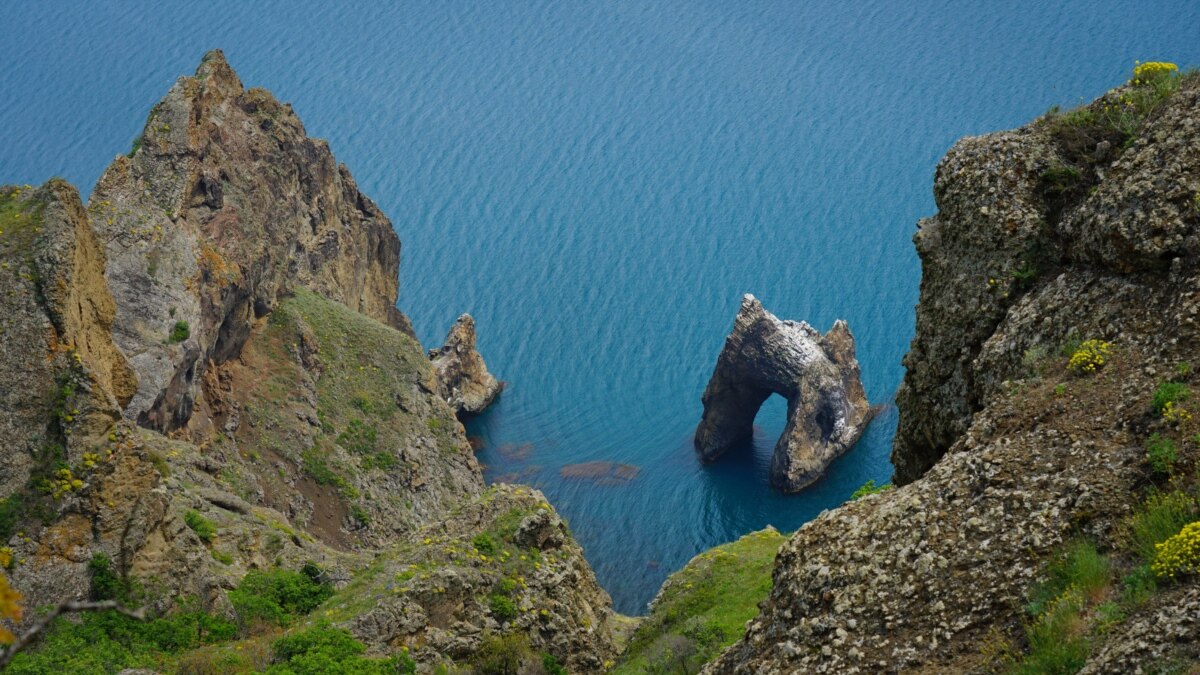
x: 224, y: 206
x: 817, y: 374
x: 462, y: 377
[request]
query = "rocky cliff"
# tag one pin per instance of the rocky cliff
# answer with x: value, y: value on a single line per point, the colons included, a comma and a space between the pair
x: 209, y: 376
x: 1043, y: 417
x: 817, y: 374
x: 224, y: 205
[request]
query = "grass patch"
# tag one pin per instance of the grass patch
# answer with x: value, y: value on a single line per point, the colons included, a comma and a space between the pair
x: 704, y: 607
x: 203, y: 527
x: 1161, y: 454
x: 1059, y: 630
x: 1169, y: 393
x: 869, y: 488
x: 1159, y: 517
x: 179, y: 332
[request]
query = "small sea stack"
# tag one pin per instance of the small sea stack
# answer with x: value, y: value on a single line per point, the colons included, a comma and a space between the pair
x: 462, y: 377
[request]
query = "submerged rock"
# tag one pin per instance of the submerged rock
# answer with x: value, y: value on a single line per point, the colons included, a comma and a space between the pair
x: 817, y: 374
x: 463, y: 378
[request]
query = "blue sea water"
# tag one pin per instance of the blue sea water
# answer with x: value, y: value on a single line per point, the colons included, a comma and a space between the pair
x: 599, y: 182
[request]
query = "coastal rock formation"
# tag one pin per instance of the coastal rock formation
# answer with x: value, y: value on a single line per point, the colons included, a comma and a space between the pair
x: 817, y: 374
x: 223, y: 206
x: 275, y: 412
x: 462, y: 377
x: 1009, y: 449
x: 502, y: 565
x: 62, y: 375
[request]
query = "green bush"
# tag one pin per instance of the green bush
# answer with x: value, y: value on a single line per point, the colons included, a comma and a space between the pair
x: 203, y: 527
x: 1161, y: 454
x: 485, y: 544
x: 1169, y: 392
x: 503, y: 655
x: 180, y: 332
x: 107, y: 642
x: 1139, y: 585
x: 106, y: 583
x: 359, y: 437
x: 552, y: 666
x: 1159, y: 517
x: 323, y: 649
x: 502, y: 608
x: 277, y: 596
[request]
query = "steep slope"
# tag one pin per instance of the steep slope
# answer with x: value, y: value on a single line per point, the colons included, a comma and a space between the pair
x: 223, y: 206
x: 274, y: 409
x: 1058, y: 309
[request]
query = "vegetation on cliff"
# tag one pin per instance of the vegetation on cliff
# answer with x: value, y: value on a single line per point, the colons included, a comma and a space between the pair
x: 703, y: 608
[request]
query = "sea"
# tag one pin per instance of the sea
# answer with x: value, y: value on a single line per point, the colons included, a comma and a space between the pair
x: 599, y: 182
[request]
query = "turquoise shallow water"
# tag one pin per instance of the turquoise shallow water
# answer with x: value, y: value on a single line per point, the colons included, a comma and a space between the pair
x: 599, y: 182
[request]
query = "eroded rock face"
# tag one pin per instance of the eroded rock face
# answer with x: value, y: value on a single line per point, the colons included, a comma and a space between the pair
x: 817, y: 374
x: 463, y: 378
x: 60, y: 370
x: 1006, y: 454
x: 503, y: 563
x: 224, y: 205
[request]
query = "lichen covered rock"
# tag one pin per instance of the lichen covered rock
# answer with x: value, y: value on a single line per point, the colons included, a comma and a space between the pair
x: 502, y: 564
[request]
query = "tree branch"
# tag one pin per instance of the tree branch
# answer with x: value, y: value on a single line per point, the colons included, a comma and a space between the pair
x: 68, y: 607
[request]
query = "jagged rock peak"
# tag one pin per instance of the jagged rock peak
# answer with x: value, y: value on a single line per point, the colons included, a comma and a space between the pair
x: 817, y: 374
x: 463, y: 378
x: 223, y: 206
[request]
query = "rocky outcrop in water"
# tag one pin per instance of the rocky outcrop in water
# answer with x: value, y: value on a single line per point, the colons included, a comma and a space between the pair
x: 817, y: 374
x: 1063, y: 231
x: 463, y: 378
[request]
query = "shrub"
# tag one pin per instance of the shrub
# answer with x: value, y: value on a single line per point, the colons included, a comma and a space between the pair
x: 1180, y: 554
x: 360, y: 515
x: 1168, y: 393
x: 180, y: 332
x: 869, y: 488
x: 1157, y: 518
x: 106, y: 583
x: 552, y: 666
x: 277, y: 596
x: 1139, y: 585
x: 502, y: 608
x: 485, y: 544
x: 1152, y: 70
x: 503, y: 655
x: 1089, y: 357
x: 203, y: 527
x: 1161, y: 454
x: 323, y: 649
x: 359, y: 437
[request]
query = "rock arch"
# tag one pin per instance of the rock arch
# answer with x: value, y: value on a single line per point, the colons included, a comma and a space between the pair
x: 817, y: 374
